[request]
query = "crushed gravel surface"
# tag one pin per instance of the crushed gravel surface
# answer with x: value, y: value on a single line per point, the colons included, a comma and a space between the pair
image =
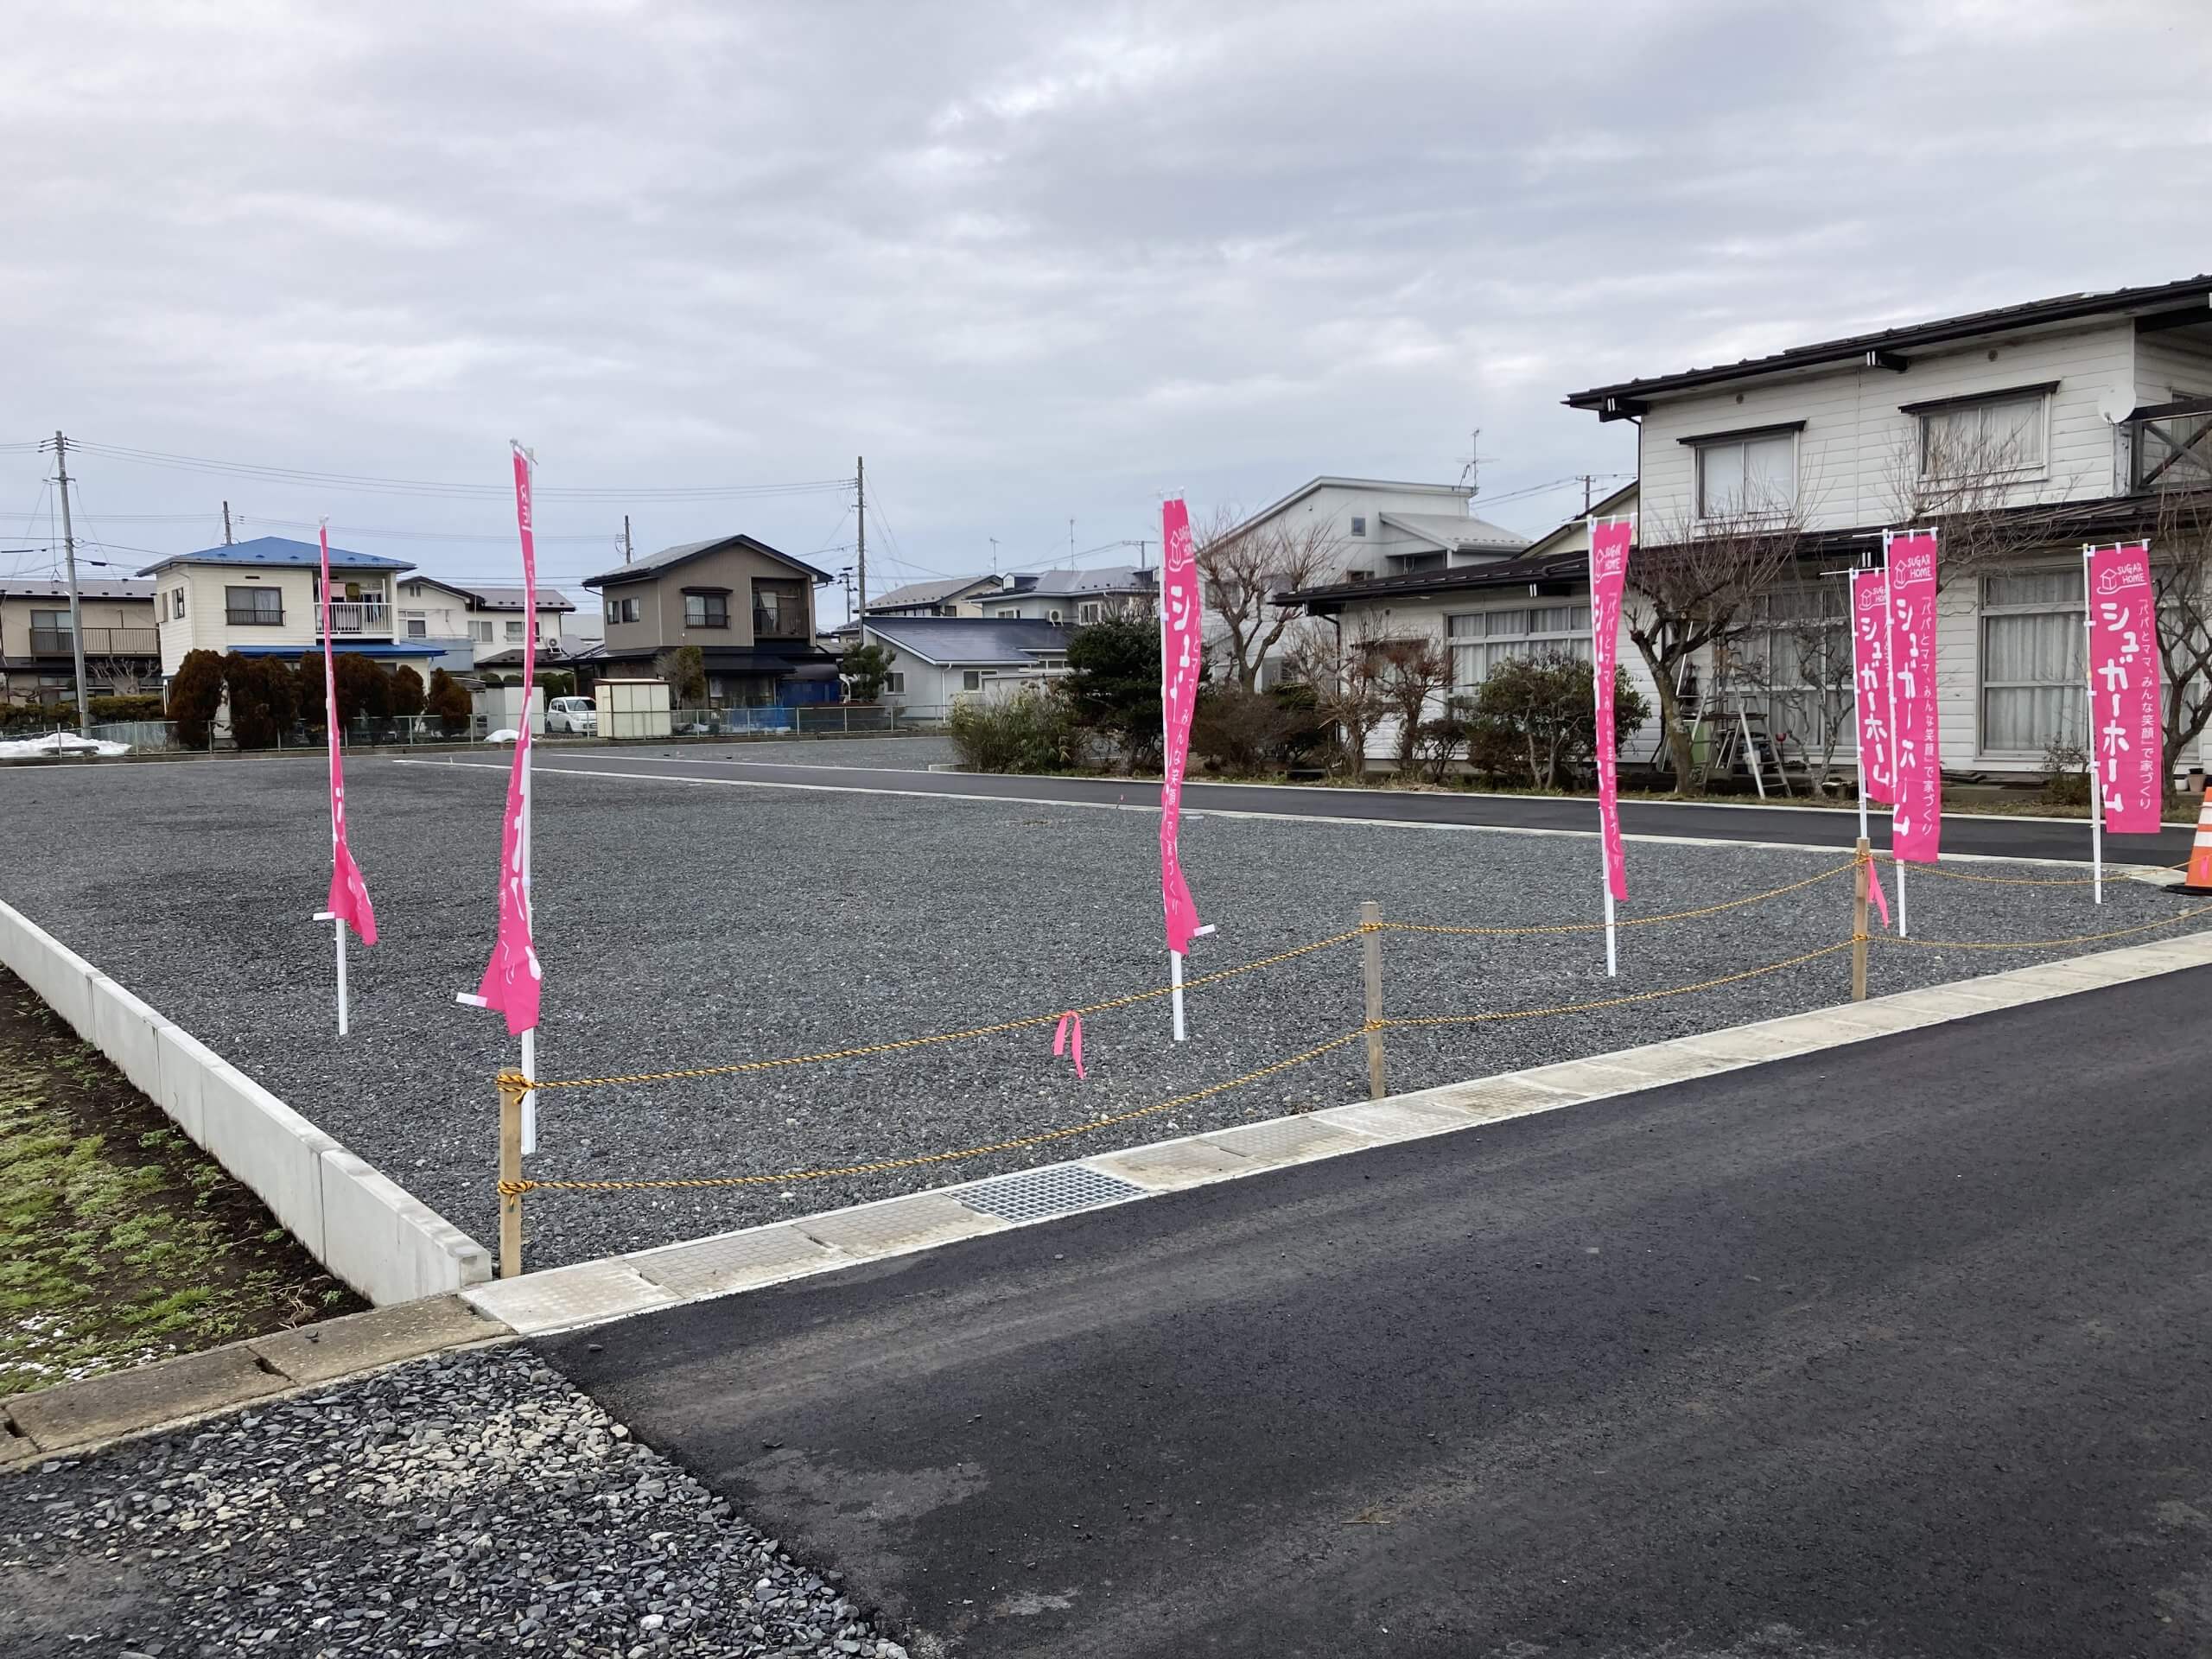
x: 471, y: 1503
x: 693, y: 922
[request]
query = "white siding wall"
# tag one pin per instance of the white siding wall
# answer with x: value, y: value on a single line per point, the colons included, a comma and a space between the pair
x: 1337, y: 505
x: 1855, y: 440
x: 2167, y: 367
x: 1426, y: 617
x: 204, y: 626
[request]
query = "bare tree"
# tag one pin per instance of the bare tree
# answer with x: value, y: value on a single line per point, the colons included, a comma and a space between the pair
x: 2181, y: 574
x: 1695, y: 582
x: 1241, y: 571
x: 1976, y: 487
x: 1805, y: 670
x: 1346, y: 676
x: 1414, y: 679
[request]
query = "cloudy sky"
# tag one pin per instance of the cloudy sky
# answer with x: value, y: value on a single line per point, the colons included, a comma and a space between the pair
x: 1036, y: 263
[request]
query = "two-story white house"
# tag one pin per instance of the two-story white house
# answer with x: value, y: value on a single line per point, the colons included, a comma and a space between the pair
x: 263, y: 598
x: 1070, y: 598
x: 941, y: 596
x: 471, y: 626
x: 2020, y: 434
x: 1334, y: 530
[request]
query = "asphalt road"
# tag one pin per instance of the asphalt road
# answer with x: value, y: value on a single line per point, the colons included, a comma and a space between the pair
x: 1900, y: 1350
x: 2000, y: 837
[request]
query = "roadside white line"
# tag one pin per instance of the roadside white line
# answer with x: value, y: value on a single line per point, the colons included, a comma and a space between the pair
x: 703, y: 1269
x: 542, y: 770
x: 1636, y: 802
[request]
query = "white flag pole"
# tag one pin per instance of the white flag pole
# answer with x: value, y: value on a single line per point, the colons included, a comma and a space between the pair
x: 1897, y: 773
x: 1596, y: 700
x: 529, y: 762
x: 2090, y: 732
x: 330, y: 742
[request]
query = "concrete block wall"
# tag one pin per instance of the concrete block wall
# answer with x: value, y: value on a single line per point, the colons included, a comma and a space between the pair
x: 362, y: 1226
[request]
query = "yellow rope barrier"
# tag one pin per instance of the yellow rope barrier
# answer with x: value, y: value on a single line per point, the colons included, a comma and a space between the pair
x: 922, y: 1158
x: 1616, y: 1001
x: 1028, y: 1022
x: 2043, y: 944
x: 2018, y: 881
x: 1638, y: 921
x: 1042, y: 1137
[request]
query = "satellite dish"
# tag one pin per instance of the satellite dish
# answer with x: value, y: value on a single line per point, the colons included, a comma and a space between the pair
x: 2117, y: 404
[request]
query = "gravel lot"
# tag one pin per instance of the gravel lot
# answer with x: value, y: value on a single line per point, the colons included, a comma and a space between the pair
x: 901, y: 753
x: 473, y: 1503
x: 691, y: 922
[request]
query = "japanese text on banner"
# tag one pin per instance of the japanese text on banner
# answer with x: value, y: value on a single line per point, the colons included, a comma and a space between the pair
x: 1870, y: 682
x: 1610, y: 540
x: 2125, y: 737
x: 1180, y: 655
x: 1915, y: 828
x: 511, y: 979
x: 349, y: 890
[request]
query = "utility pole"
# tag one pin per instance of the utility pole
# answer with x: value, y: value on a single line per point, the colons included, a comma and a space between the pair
x: 860, y: 539
x: 1071, y: 541
x: 1588, y: 480
x: 226, y: 524
x: 994, y: 541
x: 625, y: 539
x: 76, y: 606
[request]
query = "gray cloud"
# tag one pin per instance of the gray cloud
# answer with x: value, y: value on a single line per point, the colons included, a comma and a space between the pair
x: 1035, y: 262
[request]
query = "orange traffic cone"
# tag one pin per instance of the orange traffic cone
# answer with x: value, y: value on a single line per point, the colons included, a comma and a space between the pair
x: 2199, y: 879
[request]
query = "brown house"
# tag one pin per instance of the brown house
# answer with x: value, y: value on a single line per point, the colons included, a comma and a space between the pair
x: 749, y: 609
x: 122, y: 654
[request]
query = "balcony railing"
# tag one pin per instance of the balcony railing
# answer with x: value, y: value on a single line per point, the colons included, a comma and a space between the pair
x: 778, y: 625
x: 2172, y: 446
x: 98, y: 642
x: 359, y: 616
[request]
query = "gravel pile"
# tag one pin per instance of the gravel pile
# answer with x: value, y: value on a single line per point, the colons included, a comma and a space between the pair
x: 471, y: 1504
x: 692, y: 922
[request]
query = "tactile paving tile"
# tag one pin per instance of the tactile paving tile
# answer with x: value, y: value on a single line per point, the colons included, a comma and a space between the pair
x: 1587, y: 1078
x: 1289, y: 1139
x: 535, y: 1303
x: 1664, y: 1063
x: 1396, y: 1120
x: 1493, y: 1098
x: 1040, y: 1194
x: 898, y: 1224
x: 760, y: 1256
x: 1172, y: 1164
x: 1761, y: 1042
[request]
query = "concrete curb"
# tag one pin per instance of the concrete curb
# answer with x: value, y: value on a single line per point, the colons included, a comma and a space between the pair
x: 613, y: 1288
x: 74, y: 1418
x: 366, y: 1229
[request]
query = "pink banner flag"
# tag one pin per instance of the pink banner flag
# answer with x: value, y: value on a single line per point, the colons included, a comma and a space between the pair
x: 512, y: 981
x: 349, y: 893
x: 1870, y: 673
x: 1609, y: 540
x: 2126, y: 735
x: 1915, y: 826
x: 1180, y: 660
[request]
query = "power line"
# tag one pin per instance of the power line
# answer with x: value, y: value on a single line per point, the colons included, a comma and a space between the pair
x: 369, y: 484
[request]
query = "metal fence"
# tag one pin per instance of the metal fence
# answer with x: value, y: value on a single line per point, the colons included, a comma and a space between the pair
x: 802, y: 720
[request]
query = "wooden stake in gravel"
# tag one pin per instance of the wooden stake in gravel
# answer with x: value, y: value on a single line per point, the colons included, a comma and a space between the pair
x: 1858, y: 874
x: 1370, y: 916
x: 510, y: 1171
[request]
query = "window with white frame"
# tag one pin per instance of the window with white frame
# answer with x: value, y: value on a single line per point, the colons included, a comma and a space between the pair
x: 895, y: 682
x: 418, y: 627
x: 971, y: 679
x: 481, y: 631
x: 1749, y: 473
x: 1480, y: 641
x: 1796, y: 655
x: 1088, y: 613
x: 1359, y: 524
x: 2004, y: 435
x: 2032, y: 665
x: 176, y: 604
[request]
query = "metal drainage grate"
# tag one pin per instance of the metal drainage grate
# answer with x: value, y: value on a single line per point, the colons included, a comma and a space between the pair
x: 1056, y: 1189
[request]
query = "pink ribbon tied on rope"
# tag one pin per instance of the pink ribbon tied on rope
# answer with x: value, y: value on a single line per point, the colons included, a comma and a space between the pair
x: 1067, y: 1039
x: 1874, y: 890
